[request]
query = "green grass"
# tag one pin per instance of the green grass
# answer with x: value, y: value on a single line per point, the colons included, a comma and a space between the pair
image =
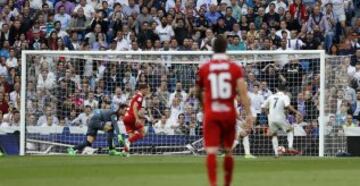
x: 174, y: 171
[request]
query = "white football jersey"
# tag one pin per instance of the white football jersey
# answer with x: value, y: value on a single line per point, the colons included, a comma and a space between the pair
x: 276, y: 104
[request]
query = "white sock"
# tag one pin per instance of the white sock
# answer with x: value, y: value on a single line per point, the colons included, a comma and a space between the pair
x: 246, y: 145
x: 290, y: 139
x: 275, y: 144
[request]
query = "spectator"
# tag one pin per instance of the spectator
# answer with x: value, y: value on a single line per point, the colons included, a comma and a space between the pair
x: 131, y: 8
x: 68, y: 6
x: 237, y: 45
x: 264, y: 90
x: 272, y: 18
x: 11, y: 62
x: 48, y: 119
x: 298, y: 11
x: 46, y: 79
x: 83, y: 118
x: 15, y: 96
x: 283, y: 28
x: 118, y: 98
x: 176, y: 108
x: 91, y: 101
x: 165, y: 30
x: 278, y: 4
x: 63, y: 17
x: 5, y: 31
x: 293, y: 73
x: 122, y: 44
x: 212, y: 16
x: 179, y: 92
x: 79, y: 22
x: 31, y: 120
x: 144, y: 16
x: 349, y: 122
x: 89, y: 11
x: 162, y: 128
x: 229, y: 19
x: 256, y: 100
x: 317, y: 19
x: 180, y: 127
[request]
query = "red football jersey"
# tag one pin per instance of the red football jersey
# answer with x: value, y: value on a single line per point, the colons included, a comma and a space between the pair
x: 137, y: 98
x: 218, y: 80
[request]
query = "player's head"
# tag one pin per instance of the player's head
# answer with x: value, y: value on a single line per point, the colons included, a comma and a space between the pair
x: 281, y: 87
x: 144, y: 88
x: 220, y: 44
x: 121, y: 109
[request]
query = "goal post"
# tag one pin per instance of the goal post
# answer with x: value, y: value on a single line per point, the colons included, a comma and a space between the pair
x: 90, y: 68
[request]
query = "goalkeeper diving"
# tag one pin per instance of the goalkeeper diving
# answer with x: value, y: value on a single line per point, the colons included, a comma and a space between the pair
x: 106, y: 120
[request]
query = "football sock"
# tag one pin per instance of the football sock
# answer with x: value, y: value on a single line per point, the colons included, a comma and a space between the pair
x: 275, y: 144
x: 246, y: 145
x: 290, y: 139
x: 211, y: 168
x: 81, y: 146
x: 110, y: 138
x: 135, y: 137
x: 228, y: 169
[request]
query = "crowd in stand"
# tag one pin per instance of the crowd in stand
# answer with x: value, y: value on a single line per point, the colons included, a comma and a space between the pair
x: 63, y: 91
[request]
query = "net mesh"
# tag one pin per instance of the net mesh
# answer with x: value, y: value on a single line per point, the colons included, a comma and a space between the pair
x: 340, y: 104
x: 63, y: 90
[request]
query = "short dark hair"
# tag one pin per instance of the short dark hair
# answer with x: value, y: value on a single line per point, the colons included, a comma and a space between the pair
x: 143, y: 86
x: 220, y: 44
x: 123, y: 106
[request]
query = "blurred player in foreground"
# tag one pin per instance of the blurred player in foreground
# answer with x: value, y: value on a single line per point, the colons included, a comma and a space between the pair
x: 218, y: 81
x: 276, y: 105
x: 99, y: 121
x: 134, y: 120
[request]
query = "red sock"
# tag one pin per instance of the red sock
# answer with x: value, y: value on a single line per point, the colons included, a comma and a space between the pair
x: 211, y: 168
x: 135, y: 137
x: 228, y: 169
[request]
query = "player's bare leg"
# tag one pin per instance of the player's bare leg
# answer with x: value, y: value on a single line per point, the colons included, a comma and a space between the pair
x: 275, y: 144
x: 246, y: 145
x: 290, y: 139
x: 245, y: 142
x: 228, y: 166
x: 211, y: 164
x: 133, y: 137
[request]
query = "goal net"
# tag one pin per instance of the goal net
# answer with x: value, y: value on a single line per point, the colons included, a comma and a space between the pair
x: 61, y: 89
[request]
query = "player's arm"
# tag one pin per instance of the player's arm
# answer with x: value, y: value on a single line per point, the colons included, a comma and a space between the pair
x: 292, y: 109
x: 245, y: 100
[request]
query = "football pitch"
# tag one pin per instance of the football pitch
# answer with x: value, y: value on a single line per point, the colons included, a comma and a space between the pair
x: 174, y: 171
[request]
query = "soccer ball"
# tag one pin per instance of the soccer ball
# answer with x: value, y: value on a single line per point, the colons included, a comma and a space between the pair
x: 281, y: 149
x: 88, y: 151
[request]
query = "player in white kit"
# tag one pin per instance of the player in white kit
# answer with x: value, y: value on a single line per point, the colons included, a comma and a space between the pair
x: 276, y: 105
x: 242, y: 132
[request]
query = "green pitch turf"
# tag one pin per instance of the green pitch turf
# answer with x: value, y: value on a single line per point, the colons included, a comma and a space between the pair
x: 174, y: 171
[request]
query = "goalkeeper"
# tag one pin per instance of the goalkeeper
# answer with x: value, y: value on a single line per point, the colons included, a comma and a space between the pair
x: 99, y: 121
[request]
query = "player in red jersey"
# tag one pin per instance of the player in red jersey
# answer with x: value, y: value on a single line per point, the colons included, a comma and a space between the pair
x: 134, y: 120
x: 219, y: 81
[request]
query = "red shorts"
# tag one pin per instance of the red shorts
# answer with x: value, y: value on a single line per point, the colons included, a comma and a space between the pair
x: 219, y: 132
x: 130, y: 125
